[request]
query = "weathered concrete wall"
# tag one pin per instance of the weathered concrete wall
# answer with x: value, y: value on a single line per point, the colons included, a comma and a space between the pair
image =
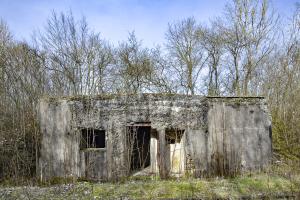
x: 239, y: 135
x: 59, y: 151
x: 214, y: 131
x: 93, y: 164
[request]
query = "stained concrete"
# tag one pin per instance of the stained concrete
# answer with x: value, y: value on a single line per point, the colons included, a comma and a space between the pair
x: 222, y: 136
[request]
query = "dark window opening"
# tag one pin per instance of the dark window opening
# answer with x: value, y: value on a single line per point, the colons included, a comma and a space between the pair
x: 138, y: 142
x: 92, y: 138
x: 173, y: 135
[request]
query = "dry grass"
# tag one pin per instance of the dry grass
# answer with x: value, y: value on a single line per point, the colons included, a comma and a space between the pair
x: 277, y: 181
x: 243, y: 186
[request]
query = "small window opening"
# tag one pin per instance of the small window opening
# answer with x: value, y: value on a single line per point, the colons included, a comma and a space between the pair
x: 92, y: 138
x: 173, y: 135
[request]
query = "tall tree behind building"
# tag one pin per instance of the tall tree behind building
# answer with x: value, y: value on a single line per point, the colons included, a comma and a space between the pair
x: 248, y: 36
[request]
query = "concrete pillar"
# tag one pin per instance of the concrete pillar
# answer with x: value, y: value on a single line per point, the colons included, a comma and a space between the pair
x: 109, y: 152
x: 164, y: 155
x: 153, y: 152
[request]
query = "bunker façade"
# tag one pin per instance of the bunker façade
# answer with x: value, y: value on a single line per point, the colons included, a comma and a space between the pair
x: 106, y: 137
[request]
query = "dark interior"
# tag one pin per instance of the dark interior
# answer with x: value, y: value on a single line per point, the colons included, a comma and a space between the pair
x: 139, y: 142
x: 92, y: 138
x: 173, y: 135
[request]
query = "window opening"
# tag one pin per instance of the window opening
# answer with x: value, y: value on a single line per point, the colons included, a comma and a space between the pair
x: 173, y: 135
x: 92, y: 138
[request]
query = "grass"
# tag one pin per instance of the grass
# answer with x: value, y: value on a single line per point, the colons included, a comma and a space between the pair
x: 242, y: 186
x: 270, y: 184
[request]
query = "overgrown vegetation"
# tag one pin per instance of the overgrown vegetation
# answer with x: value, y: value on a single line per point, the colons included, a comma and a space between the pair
x: 238, y: 187
x: 240, y: 53
x: 279, y: 181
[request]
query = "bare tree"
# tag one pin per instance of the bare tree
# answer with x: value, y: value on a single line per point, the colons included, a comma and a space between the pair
x: 248, y: 35
x: 22, y: 82
x: 5, y: 41
x: 134, y: 63
x: 161, y: 79
x: 186, y: 52
x: 211, y: 40
x: 77, y: 58
x: 281, y: 85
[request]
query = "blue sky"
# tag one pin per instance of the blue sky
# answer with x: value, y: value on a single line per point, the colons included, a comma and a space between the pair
x: 115, y: 18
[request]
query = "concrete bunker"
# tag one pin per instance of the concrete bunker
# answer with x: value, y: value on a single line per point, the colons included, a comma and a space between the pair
x: 106, y: 137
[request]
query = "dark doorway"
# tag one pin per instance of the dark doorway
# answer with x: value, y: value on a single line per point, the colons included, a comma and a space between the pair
x: 92, y: 138
x: 138, y: 142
